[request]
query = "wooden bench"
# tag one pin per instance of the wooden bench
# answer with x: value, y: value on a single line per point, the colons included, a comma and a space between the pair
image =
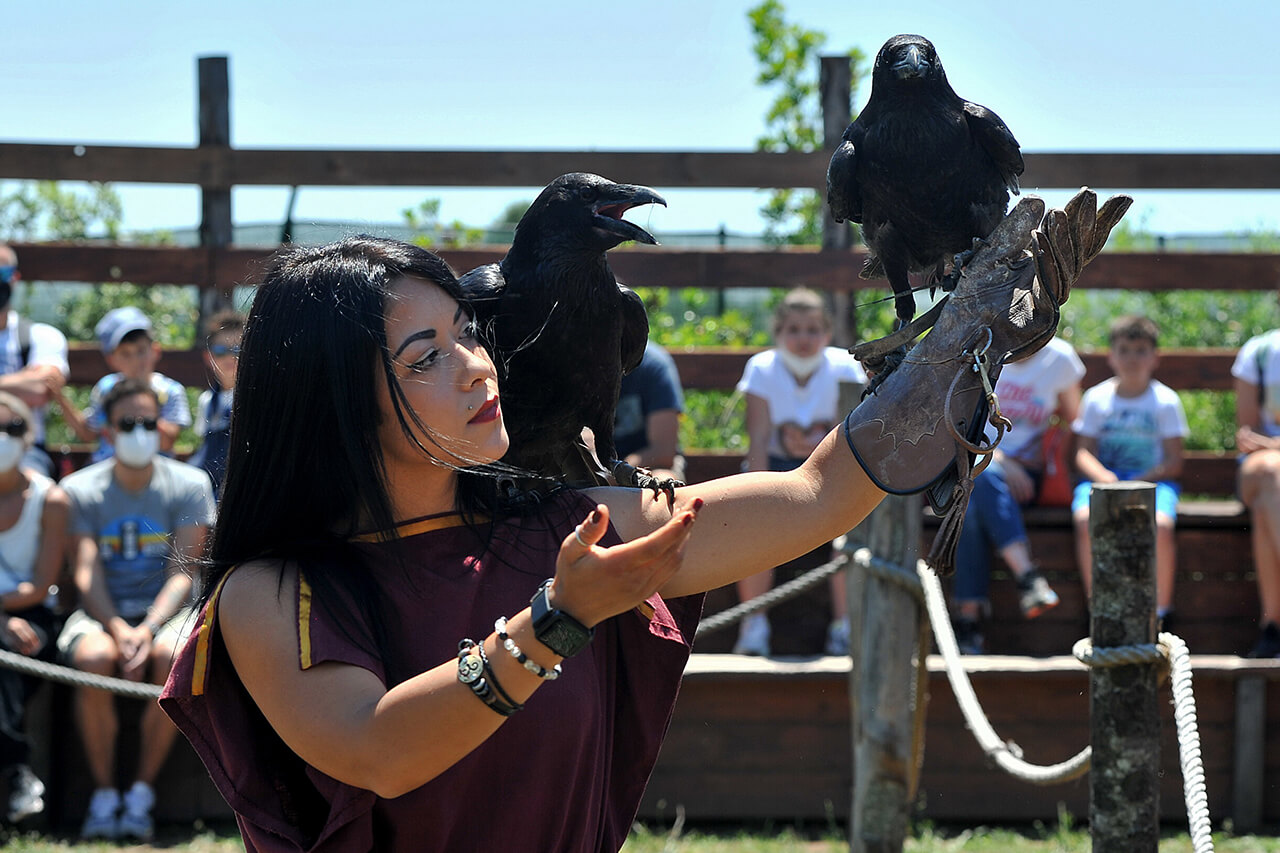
x: 1216, y: 600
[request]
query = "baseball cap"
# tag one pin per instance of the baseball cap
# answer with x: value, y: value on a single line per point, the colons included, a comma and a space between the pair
x: 117, y: 323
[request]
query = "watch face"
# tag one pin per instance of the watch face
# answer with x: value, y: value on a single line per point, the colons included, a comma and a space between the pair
x: 470, y: 668
x: 563, y: 639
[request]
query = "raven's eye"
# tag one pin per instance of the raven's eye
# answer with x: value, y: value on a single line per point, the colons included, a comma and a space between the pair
x: 587, y: 193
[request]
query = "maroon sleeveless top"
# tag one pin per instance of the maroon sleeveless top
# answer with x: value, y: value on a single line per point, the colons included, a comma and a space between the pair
x: 565, y: 774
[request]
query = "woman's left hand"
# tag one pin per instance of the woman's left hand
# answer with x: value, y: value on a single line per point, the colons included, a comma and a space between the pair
x: 593, y: 583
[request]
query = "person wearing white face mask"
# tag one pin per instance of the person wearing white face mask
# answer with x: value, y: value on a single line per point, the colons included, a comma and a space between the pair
x: 137, y: 519
x: 33, y: 531
x: 792, y: 396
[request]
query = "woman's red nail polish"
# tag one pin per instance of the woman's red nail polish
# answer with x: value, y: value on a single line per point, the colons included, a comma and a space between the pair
x: 687, y: 520
x: 595, y: 516
x: 697, y: 504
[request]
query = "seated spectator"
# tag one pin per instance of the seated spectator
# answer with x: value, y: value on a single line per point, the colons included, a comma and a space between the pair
x: 138, y: 521
x: 793, y: 393
x: 1031, y: 393
x: 1131, y: 427
x: 1257, y: 381
x: 647, y: 425
x: 33, y: 539
x: 213, y: 411
x: 130, y: 351
x: 33, y: 361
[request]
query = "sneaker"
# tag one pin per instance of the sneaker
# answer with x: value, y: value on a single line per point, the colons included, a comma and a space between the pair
x: 101, y: 821
x: 1268, y: 645
x: 135, y: 820
x: 968, y: 638
x: 753, y: 636
x: 838, y: 637
x: 1034, y: 594
x: 26, y: 793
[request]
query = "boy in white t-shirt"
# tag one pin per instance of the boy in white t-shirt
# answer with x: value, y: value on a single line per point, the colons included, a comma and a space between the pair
x: 1131, y: 427
x: 792, y: 396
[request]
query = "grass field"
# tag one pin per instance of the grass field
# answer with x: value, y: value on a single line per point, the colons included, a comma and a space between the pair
x: 925, y: 839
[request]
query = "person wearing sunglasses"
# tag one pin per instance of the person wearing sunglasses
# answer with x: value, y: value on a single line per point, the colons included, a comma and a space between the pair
x: 138, y: 519
x: 213, y: 411
x: 33, y: 540
x: 33, y: 361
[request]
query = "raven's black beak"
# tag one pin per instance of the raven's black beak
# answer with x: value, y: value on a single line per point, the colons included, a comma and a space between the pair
x: 616, y: 200
x: 912, y: 65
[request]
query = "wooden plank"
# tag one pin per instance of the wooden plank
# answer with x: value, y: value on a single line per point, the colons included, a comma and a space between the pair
x: 1205, y: 369
x: 122, y: 163
x: 651, y: 267
x: 1250, y: 740
x: 186, y: 366
x: 745, y: 169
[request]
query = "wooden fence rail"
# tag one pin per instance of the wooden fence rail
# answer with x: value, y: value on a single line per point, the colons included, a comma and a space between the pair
x: 662, y: 267
x: 219, y: 167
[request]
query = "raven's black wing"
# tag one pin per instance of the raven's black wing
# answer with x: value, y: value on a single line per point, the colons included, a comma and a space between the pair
x: 996, y: 139
x: 844, y: 197
x: 635, y: 328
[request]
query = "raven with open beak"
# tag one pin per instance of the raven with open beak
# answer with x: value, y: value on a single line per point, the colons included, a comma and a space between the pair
x: 561, y: 328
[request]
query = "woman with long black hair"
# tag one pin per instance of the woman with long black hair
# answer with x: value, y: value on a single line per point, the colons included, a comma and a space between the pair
x: 390, y: 659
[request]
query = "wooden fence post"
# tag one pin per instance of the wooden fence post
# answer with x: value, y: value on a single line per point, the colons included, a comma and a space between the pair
x: 885, y: 626
x: 835, y: 86
x: 1124, y: 814
x: 215, y: 197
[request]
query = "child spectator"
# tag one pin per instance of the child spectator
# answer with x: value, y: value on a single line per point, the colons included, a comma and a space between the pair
x: 1257, y: 380
x: 1131, y: 427
x: 138, y: 522
x: 213, y: 411
x: 130, y: 351
x: 1031, y: 393
x: 33, y: 542
x: 792, y: 395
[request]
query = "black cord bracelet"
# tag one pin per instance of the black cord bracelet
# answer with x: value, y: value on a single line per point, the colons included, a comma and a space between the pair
x: 473, y: 667
x: 493, y: 682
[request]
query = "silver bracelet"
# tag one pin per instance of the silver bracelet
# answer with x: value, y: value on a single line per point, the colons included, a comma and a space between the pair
x: 500, y: 626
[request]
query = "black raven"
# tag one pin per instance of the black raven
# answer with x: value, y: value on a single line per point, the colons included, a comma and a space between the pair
x: 562, y: 330
x: 923, y: 170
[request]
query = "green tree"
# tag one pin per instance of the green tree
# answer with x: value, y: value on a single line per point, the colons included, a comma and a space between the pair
x: 430, y: 233
x: 787, y: 55
x: 49, y: 210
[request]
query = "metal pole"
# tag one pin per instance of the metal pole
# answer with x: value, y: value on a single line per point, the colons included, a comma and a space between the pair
x: 885, y: 626
x: 1124, y: 813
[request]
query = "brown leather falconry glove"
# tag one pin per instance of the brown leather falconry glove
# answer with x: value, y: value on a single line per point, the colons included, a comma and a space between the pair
x: 924, y: 426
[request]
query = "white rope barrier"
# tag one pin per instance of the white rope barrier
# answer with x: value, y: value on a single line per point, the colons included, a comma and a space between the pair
x: 1006, y: 754
x: 1170, y: 647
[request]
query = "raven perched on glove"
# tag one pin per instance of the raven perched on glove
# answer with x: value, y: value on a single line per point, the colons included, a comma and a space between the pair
x: 923, y: 170
x: 562, y: 330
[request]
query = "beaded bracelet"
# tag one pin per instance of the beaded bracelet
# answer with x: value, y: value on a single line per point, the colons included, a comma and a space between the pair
x: 500, y: 626
x: 473, y: 666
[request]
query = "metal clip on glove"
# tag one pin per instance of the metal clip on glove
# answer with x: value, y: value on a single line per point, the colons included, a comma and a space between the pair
x: 924, y: 427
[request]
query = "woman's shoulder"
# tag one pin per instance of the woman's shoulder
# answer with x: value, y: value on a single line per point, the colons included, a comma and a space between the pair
x: 254, y: 591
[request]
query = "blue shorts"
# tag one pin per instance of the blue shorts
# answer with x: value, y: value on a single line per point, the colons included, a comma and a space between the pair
x: 1167, y: 493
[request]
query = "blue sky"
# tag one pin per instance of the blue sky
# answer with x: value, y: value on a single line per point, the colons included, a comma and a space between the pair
x: 663, y: 74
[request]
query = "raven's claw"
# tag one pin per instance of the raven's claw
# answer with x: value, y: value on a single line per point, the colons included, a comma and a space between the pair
x: 626, y: 474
